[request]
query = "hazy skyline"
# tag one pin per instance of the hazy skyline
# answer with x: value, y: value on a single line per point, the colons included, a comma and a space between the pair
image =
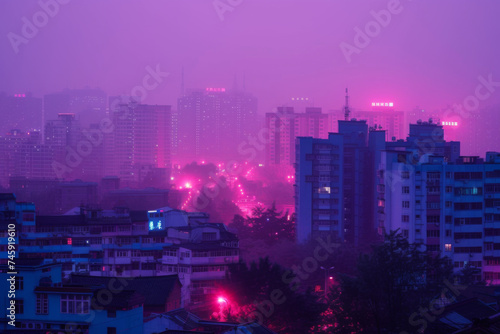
x: 430, y: 58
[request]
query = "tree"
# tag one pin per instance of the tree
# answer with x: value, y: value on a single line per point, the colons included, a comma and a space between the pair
x: 267, y: 225
x: 259, y: 292
x: 390, y: 284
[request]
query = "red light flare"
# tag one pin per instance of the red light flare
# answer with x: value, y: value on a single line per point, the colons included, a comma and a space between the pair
x: 221, y: 300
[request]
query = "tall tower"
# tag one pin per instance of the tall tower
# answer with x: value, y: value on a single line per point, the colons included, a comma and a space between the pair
x: 346, y: 107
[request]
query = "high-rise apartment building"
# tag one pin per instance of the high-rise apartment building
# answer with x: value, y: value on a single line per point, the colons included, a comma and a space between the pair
x: 22, y: 112
x: 334, y: 183
x: 450, y: 208
x: 361, y: 155
x: 384, y: 116
x: 284, y: 126
x: 212, y: 124
x: 141, y: 141
x: 88, y: 104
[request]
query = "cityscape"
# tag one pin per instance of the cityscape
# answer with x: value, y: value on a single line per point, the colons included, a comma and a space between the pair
x: 236, y: 167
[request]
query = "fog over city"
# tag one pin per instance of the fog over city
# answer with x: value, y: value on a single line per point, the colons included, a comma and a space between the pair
x: 267, y: 166
x: 427, y: 55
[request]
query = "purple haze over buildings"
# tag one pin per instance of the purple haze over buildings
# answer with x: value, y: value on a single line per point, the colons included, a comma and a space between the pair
x: 426, y: 56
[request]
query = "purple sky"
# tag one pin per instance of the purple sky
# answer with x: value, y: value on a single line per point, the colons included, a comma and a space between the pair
x: 430, y: 54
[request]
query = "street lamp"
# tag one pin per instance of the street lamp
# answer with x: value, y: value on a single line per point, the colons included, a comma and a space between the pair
x: 223, y: 302
x: 327, y: 270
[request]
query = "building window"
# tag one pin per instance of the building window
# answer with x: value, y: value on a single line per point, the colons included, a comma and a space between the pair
x: 111, y: 313
x: 405, y: 233
x: 405, y: 175
x: 449, y: 189
x: 121, y: 253
x: 324, y: 190
x: 433, y: 219
x: 170, y: 252
x: 447, y: 247
x: 405, y: 218
x: 19, y: 283
x: 432, y: 233
x: 405, y: 190
x: 19, y: 306
x: 209, y: 236
x: 433, y: 248
x: 111, y: 330
x: 448, y: 204
x: 75, y: 304
x: 448, y: 233
x: 42, y: 303
x: 406, y: 204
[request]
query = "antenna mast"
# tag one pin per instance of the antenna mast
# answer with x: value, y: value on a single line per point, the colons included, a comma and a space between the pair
x: 346, y: 107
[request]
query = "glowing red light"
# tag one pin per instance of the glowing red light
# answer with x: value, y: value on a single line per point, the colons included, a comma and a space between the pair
x: 70, y: 241
x: 382, y: 104
x: 331, y: 277
x: 212, y: 89
x: 221, y: 300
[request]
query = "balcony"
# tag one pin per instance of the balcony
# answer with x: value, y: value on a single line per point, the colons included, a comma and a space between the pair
x: 207, y: 275
x: 214, y: 260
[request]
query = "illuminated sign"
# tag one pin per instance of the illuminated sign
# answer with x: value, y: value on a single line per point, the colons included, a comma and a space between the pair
x: 19, y: 95
x: 156, y: 220
x: 212, y: 89
x: 449, y: 123
x: 382, y: 104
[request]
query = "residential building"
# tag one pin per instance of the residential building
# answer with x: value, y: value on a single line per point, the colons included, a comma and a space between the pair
x: 141, y: 142
x: 123, y: 243
x: 212, y: 124
x: 334, y: 183
x: 283, y: 127
x: 20, y: 111
x: 384, y: 116
x: 43, y: 302
x: 450, y: 207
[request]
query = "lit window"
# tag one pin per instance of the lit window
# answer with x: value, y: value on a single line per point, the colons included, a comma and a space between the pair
x: 324, y: 190
x: 447, y: 247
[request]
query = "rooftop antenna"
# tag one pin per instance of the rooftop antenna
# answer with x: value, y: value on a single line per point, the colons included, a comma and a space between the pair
x: 346, y: 107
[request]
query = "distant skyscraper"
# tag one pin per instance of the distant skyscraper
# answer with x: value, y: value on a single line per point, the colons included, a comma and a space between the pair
x: 20, y: 111
x: 211, y: 124
x: 24, y: 155
x: 141, y: 140
x: 284, y: 126
x: 63, y: 131
x: 385, y: 117
x: 88, y: 104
